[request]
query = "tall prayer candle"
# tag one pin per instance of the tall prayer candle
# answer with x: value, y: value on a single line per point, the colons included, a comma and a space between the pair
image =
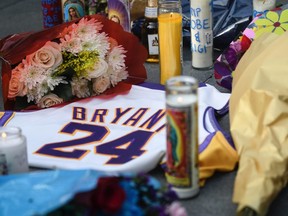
x: 73, y: 9
x: 182, y: 135
x: 201, y: 34
x: 170, y: 39
x: 13, y: 152
x: 119, y: 12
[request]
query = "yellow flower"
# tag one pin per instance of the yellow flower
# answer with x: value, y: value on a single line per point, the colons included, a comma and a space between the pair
x: 272, y: 23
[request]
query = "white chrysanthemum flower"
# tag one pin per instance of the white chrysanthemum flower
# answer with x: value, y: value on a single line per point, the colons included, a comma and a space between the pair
x: 85, y: 32
x: 33, y: 76
x: 36, y: 93
x: 89, y: 44
x: 55, y: 81
x: 71, y: 44
x: 85, y: 27
x: 117, y: 75
x: 116, y: 58
x: 99, y: 69
x: 101, y: 44
x: 32, y: 95
x: 80, y: 87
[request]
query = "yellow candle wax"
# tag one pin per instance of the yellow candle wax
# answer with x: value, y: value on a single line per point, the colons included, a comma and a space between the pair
x: 170, y: 42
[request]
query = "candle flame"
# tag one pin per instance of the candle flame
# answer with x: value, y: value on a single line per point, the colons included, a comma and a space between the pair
x: 180, y: 99
x: 3, y: 135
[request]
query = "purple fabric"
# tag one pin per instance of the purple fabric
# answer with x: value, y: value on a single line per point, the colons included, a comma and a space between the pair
x: 5, y: 117
x: 222, y: 74
x: 224, y: 109
x: 210, y: 113
x: 152, y: 85
x: 160, y: 86
x: 206, y: 142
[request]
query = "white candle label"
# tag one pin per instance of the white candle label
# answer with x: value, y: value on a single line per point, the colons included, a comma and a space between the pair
x: 201, y: 33
x: 151, y: 12
x: 153, y: 44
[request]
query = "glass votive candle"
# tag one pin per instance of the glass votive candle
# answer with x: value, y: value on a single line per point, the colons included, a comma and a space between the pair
x: 13, y: 151
x: 182, y: 135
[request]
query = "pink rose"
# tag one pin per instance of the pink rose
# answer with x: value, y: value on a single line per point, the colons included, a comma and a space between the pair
x: 16, y: 87
x: 100, y: 84
x: 49, y: 56
x: 49, y: 100
x: 99, y: 69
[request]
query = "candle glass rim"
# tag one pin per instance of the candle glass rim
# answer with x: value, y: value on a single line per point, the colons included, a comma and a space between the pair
x: 11, y: 131
x: 168, y: 1
x: 169, y: 4
x: 181, y: 85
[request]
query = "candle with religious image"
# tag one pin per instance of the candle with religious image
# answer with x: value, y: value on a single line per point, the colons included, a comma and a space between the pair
x: 13, y: 151
x: 52, y: 13
x: 119, y: 12
x: 182, y: 135
x: 170, y: 39
x: 201, y: 34
x: 262, y: 6
x: 73, y: 9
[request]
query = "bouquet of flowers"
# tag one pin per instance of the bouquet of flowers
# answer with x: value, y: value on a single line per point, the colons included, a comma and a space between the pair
x: 86, y: 192
x: 73, y: 60
x: 125, y: 195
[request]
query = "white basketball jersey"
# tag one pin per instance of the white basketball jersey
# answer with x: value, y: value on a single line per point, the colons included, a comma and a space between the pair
x: 118, y: 133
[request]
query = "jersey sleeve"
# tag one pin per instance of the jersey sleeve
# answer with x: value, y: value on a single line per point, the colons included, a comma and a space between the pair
x: 5, y: 117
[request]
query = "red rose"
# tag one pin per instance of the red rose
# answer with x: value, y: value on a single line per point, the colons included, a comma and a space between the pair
x: 108, y: 196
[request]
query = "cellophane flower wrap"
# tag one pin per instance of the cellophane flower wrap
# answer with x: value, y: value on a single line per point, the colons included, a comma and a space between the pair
x: 74, y: 60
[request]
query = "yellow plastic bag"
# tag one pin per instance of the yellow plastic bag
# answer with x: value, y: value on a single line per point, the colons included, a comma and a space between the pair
x: 259, y: 122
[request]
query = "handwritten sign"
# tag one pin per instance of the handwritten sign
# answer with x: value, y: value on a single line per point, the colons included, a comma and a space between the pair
x: 201, y: 33
x: 52, y: 13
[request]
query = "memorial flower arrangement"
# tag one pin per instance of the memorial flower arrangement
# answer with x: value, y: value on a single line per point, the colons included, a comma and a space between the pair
x: 124, y: 195
x: 87, y: 60
x: 74, y: 60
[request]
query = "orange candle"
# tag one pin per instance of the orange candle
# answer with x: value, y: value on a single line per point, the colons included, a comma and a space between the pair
x: 170, y: 45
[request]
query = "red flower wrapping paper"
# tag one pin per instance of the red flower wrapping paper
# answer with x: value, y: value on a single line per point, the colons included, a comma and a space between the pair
x: 122, y: 49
